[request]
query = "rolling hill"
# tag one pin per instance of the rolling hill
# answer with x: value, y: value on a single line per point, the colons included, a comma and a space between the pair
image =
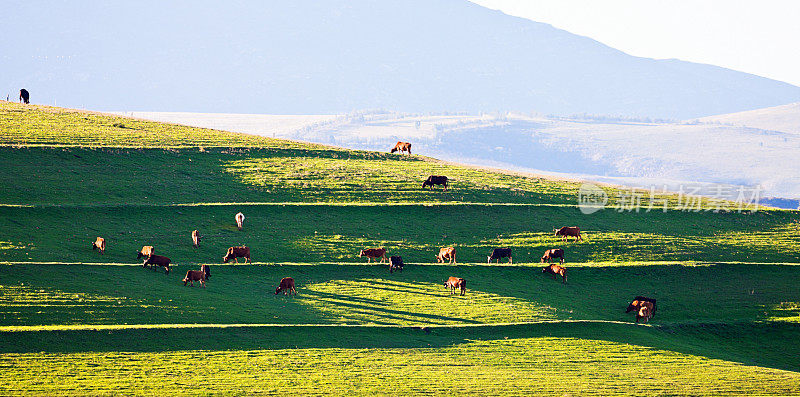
x: 784, y: 118
x: 75, y: 322
x: 702, y: 156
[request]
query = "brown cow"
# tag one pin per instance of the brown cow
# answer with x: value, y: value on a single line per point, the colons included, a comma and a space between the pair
x: 237, y: 252
x: 99, y: 244
x: 446, y: 254
x: 456, y: 283
x: 240, y: 220
x: 435, y: 180
x: 157, y: 260
x: 644, y: 309
x: 556, y: 270
x: 401, y: 147
x: 371, y: 253
x: 553, y: 254
x: 572, y: 231
x: 201, y: 275
x: 145, y: 251
x: 196, y: 238
x: 287, y: 286
x: 643, y: 298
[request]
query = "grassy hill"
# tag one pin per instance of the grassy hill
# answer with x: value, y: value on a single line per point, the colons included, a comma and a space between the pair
x: 727, y: 318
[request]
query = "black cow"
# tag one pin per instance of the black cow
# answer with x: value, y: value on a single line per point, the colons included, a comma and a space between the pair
x: 498, y: 253
x: 435, y: 180
x: 395, y: 263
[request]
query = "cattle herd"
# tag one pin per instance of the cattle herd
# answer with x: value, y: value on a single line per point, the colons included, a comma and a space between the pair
x: 643, y: 307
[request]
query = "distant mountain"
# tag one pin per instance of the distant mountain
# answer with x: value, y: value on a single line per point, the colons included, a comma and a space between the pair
x: 785, y: 118
x: 333, y: 56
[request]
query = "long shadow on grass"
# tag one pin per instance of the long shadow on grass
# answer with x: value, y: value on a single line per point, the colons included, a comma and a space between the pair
x: 761, y: 344
x: 686, y: 294
x: 372, y: 310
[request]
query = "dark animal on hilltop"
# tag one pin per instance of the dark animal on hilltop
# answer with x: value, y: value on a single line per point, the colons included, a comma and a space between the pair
x: 645, y: 299
x: 435, y: 180
x: 195, y: 238
x: 446, y: 254
x: 99, y: 244
x: 375, y: 253
x: 395, y: 264
x: 572, y: 231
x: 240, y: 220
x: 237, y: 252
x: 157, y: 260
x: 456, y: 283
x: 401, y: 147
x: 145, y: 251
x: 201, y: 275
x: 556, y: 270
x: 644, y: 309
x: 287, y: 286
x: 24, y: 96
x: 498, y: 253
x: 555, y: 253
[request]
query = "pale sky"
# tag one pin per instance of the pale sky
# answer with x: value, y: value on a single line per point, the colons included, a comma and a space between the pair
x: 761, y: 37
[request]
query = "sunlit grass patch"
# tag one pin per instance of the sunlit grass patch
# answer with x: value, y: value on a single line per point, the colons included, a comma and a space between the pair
x: 384, y: 301
x: 530, y: 366
x: 351, y: 177
x: 34, y: 125
x: 8, y: 245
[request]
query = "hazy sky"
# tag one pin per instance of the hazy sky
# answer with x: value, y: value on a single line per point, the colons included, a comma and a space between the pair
x: 754, y: 36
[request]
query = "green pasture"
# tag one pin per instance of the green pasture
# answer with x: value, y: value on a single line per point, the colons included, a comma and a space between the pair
x: 535, y: 365
x: 75, y: 322
x: 368, y: 294
x: 336, y: 233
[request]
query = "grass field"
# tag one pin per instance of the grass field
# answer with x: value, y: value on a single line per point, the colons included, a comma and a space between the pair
x: 75, y: 322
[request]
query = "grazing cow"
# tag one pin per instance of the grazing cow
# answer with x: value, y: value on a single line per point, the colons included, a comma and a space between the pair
x: 287, y: 286
x: 644, y: 309
x: 196, y: 238
x: 446, y: 254
x: 556, y: 270
x: 498, y: 253
x: 456, y: 283
x: 371, y: 253
x: 645, y: 299
x: 99, y: 244
x: 240, y: 220
x: 435, y: 180
x: 157, y: 260
x: 237, y: 252
x: 201, y: 275
x: 573, y: 231
x: 553, y: 254
x: 145, y: 251
x: 24, y: 96
x: 401, y: 147
x: 395, y: 263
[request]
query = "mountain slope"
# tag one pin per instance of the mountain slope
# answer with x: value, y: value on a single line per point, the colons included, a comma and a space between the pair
x: 337, y: 56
